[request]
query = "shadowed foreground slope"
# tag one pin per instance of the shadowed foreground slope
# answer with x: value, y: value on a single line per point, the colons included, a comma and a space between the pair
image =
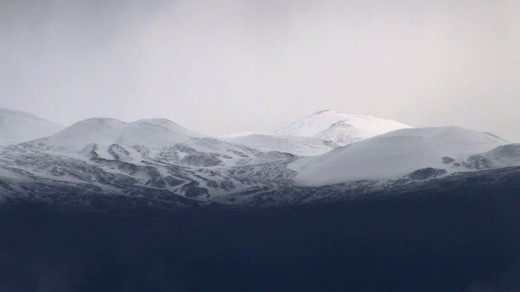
x: 464, y: 240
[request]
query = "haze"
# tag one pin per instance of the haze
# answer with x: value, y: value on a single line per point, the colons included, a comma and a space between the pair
x: 225, y: 66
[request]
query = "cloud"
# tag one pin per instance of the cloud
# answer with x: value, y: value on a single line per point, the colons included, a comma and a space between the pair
x: 225, y: 66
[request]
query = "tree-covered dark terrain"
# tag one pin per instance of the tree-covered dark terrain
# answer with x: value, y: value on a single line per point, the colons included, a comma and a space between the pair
x: 462, y: 238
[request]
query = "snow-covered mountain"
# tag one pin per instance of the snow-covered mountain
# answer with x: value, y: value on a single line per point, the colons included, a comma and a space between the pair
x: 160, y: 161
x: 318, y: 133
x: 151, y: 133
x: 142, y: 156
x: 396, y: 154
x: 17, y: 127
x: 339, y: 129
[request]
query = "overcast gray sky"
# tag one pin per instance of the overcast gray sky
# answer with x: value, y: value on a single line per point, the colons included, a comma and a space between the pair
x: 235, y: 65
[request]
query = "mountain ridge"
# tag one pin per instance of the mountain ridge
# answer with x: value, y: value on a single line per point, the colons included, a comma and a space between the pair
x: 160, y: 160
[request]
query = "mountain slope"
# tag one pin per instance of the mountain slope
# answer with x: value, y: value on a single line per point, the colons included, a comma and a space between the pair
x: 17, y: 127
x: 396, y: 154
x: 340, y: 128
x: 502, y: 156
x: 301, y: 146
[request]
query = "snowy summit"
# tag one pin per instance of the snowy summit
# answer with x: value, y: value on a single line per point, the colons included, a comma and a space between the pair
x: 340, y: 128
x: 17, y: 127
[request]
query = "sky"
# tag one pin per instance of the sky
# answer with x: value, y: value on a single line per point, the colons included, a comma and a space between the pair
x: 226, y: 66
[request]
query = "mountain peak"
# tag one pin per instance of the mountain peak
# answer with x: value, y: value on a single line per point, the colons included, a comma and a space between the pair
x: 18, y: 126
x: 6, y: 113
x: 339, y: 128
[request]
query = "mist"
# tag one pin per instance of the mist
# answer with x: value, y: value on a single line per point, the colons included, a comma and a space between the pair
x: 224, y: 66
